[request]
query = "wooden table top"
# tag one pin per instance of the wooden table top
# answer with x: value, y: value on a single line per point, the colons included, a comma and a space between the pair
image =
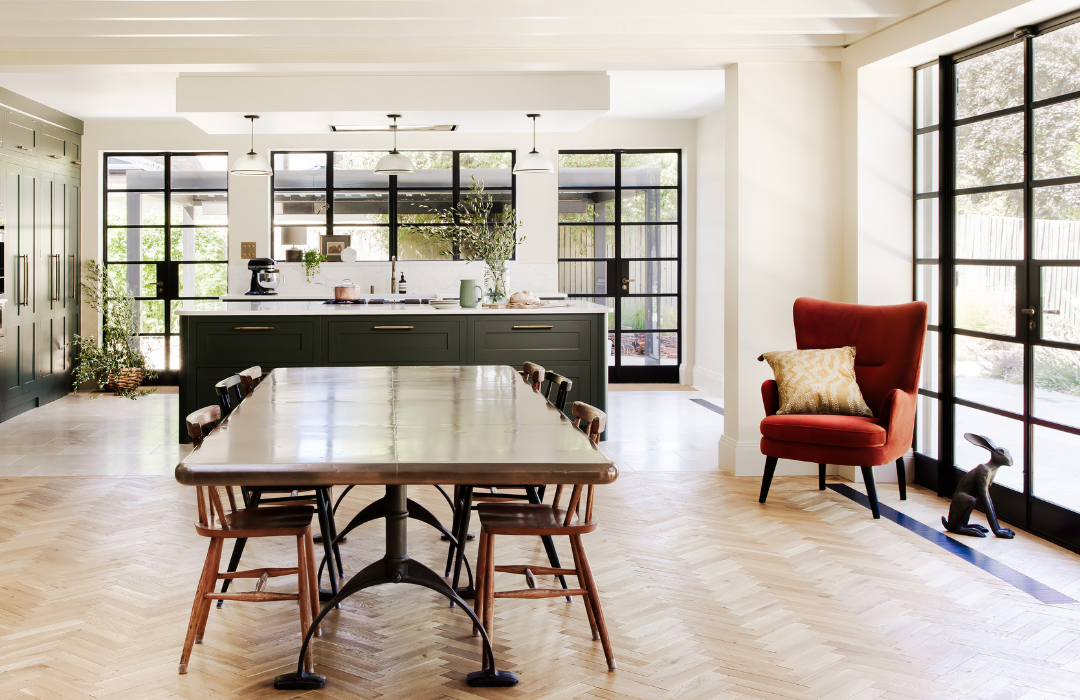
x: 324, y: 426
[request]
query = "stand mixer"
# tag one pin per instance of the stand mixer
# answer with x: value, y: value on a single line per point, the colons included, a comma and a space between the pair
x: 265, y: 278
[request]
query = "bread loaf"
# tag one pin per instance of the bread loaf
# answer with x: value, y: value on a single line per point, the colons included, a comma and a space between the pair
x: 524, y: 297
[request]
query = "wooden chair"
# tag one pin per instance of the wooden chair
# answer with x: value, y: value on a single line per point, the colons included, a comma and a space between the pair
x: 217, y: 524
x: 533, y: 520
x: 229, y: 393
x: 533, y: 374
x: 249, y: 379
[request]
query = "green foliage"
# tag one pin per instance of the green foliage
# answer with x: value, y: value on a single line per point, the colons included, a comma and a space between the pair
x: 312, y: 260
x: 109, y: 296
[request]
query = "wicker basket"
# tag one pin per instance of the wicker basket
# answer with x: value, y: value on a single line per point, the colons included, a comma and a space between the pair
x: 128, y: 380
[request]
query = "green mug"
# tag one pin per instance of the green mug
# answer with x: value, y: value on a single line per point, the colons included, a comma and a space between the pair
x: 471, y: 293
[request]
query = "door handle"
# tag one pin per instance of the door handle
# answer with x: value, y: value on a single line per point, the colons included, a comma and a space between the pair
x: 626, y: 280
x: 393, y: 328
x: 56, y: 281
x: 1029, y: 312
x: 253, y: 328
x: 25, y: 301
x: 533, y: 328
x: 72, y: 280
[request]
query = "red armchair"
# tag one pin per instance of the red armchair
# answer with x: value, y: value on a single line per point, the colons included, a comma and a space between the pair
x: 888, y: 344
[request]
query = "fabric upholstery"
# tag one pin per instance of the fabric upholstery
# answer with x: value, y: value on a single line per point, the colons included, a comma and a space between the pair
x: 823, y: 429
x: 889, y: 344
x: 817, y: 381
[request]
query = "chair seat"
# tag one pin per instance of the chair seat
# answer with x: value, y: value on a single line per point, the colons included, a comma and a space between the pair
x: 280, y: 521
x: 816, y: 429
x: 528, y: 519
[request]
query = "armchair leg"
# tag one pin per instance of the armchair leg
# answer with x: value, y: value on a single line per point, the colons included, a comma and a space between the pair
x: 766, y: 480
x: 871, y: 491
x: 821, y: 477
x: 901, y: 478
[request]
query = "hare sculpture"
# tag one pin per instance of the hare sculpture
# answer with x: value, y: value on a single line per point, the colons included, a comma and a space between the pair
x: 974, y: 489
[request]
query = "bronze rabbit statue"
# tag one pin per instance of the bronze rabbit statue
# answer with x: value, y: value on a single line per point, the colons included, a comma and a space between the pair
x: 974, y: 489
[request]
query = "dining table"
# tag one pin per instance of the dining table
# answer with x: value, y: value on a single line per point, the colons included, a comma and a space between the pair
x: 395, y: 427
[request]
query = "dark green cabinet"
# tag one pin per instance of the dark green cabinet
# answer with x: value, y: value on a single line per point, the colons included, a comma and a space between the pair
x: 251, y: 340
x: 374, y: 340
x: 541, y: 339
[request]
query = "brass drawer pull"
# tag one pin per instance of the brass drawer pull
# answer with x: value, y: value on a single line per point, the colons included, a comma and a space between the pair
x: 533, y: 328
x: 77, y: 162
x: 253, y: 328
x: 393, y: 328
x: 23, y: 148
x: 55, y: 156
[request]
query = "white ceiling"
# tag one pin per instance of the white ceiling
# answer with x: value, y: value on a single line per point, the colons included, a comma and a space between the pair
x: 119, y: 59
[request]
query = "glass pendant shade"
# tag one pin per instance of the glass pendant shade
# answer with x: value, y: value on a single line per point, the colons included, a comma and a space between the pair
x: 251, y: 164
x: 394, y: 163
x: 533, y: 162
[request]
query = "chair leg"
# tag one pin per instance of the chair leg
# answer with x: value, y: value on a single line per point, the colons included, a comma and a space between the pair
x: 489, y: 584
x: 303, y: 597
x: 213, y: 581
x: 207, y: 583
x: 871, y: 491
x: 313, y: 576
x: 766, y: 480
x: 821, y: 477
x: 234, y: 562
x: 481, y: 580
x: 901, y: 478
x: 594, y: 598
x: 589, y: 610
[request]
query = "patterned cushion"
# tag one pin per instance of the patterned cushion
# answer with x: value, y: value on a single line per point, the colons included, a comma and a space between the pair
x: 817, y: 381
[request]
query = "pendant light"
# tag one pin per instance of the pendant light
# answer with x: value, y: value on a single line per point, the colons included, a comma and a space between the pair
x: 534, y: 161
x: 251, y: 163
x: 393, y: 163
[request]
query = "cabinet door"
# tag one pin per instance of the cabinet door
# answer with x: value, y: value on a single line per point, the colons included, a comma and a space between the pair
x: 514, y: 339
x: 20, y: 133
x: 391, y: 340
x: 52, y: 143
x: 9, y: 361
x: 74, y: 149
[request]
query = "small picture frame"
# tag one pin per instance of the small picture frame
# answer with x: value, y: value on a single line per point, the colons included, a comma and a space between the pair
x: 331, y: 246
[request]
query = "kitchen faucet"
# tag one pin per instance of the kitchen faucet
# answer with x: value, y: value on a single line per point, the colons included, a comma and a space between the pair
x: 393, y: 272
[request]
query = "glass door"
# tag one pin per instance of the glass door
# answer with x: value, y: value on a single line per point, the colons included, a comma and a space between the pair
x: 166, y: 234
x: 620, y: 233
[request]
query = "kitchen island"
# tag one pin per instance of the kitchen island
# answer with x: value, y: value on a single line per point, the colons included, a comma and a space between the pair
x: 219, y: 339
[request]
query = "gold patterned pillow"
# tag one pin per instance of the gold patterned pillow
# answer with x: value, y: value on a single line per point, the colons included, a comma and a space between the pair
x: 817, y: 381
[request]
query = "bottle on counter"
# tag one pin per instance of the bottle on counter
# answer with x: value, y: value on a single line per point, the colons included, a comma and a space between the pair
x: 401, y: 284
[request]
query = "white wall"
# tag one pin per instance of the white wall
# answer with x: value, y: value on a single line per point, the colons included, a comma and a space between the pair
x: 782, y: 223
x: 709, y: 259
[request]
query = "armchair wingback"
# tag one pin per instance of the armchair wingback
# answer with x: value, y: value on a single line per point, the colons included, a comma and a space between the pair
x: 888, y: 343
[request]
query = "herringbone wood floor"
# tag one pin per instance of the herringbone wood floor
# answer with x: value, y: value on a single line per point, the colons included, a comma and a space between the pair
x: 707, y: 593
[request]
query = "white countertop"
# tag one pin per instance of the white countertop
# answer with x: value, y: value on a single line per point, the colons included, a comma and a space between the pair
x: 329, y: 294
x: 318, y: 308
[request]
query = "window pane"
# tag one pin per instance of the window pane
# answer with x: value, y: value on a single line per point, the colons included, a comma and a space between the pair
x: 204, y: 280
x: 146, y: 209
x: 990, y: 82
x: 189, y: 304
x: 647, y: 313
x: 174, y: 349
x: 990, y: 226
x: 650, y: 349
x: 926, y: 162
x: 299, y: 208
x: 299, y: 170
x: 584, y: 277
x: 1060, y: 310
x: 1057, y: 222
x: 608, y: 302
x: 433, y: 169
x: 928, y: 374
x: 655, y: 277
x: 586, y: 206
x: 926, y: 96
x: 586, y: 241
x: 415, y: 244
x: 136, y: 244
x: 927, y: 283
x: 154, y: 350
x: 986, y: 298
x: 492, y: 169
x: 371, y: 242
x: 1055, y: 62
x: 362, y: 207
x: 418, y: 207
x: 313, y: 235
x: 650, y: 205
x: 1057, y: 385
x: 586, y: 170
x: 990, y: 152
x: 199, y: 172
x: 990, y: 372
x: 650, y: 169
x: 151, y: 316
x: 650, y: 241
x: 926, y: 426
x: 356, y: 169
x: 201, y: 209
x: 1057, y: 140
x: 926, y: 228
x: 1056, y: 477
x: 140, y: 280
x: 209, y: 244
x: 136, y: 172
x: 1005, y: 432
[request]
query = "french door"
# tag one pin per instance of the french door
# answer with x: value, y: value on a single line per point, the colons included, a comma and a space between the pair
x: 620, y: 242
x: 998, y: 259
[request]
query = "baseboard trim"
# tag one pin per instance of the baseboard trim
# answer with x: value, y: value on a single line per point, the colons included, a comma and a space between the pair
x: 707, y: 380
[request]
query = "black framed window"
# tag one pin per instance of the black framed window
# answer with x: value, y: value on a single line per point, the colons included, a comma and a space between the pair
x: 997, y: 257
x: 620, y: 244
x: 338, y: 193
x: 166, y: 231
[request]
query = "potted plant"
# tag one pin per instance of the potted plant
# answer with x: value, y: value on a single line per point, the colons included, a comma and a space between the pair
x: 312, y: 259
x: 475, y: 233
x: 116, y: 363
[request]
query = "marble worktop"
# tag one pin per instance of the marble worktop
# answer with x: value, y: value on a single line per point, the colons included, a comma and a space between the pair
x: 318, y: 308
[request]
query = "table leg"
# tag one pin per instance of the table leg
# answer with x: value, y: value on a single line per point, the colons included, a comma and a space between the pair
x: 464, y: 516
x: 323, y: 511
x: 395, y: 567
